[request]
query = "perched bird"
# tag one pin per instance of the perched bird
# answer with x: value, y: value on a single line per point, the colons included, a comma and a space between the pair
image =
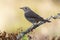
x: 32, y: 16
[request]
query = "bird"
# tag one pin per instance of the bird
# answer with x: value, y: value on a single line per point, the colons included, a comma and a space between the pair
x: 31, y: 16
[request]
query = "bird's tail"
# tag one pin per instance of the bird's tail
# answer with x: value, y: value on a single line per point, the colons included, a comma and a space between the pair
x: 47, y: 21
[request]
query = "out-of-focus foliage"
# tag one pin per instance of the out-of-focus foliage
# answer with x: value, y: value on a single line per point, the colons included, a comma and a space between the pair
x: 25, y: 37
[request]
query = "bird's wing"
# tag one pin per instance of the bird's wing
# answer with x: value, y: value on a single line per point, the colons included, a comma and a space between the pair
x: 32, y: 14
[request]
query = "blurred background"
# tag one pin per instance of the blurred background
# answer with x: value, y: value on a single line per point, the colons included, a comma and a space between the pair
x: 12, y: 18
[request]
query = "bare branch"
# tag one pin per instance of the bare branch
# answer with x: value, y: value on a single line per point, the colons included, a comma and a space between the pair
x: 57, y: 16
x: 35, y: 26
x: 30, y: 29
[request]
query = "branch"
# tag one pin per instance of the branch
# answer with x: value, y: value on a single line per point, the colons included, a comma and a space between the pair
x: 30, y: 29
x: 57, y: 16
x: 35, y: 26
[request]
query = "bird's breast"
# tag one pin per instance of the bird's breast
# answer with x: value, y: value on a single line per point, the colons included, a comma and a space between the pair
x: 28, y: 15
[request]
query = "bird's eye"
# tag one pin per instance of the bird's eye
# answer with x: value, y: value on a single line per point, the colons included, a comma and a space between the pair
x: 25, y: 8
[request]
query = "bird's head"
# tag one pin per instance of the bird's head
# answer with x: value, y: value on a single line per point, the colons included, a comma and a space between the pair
x: 26, y: 9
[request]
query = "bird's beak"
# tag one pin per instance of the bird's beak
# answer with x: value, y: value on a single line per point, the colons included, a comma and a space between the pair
x: 21, y: 8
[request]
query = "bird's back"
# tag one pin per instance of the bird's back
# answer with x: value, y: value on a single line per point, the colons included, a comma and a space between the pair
x: 32, y: 14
